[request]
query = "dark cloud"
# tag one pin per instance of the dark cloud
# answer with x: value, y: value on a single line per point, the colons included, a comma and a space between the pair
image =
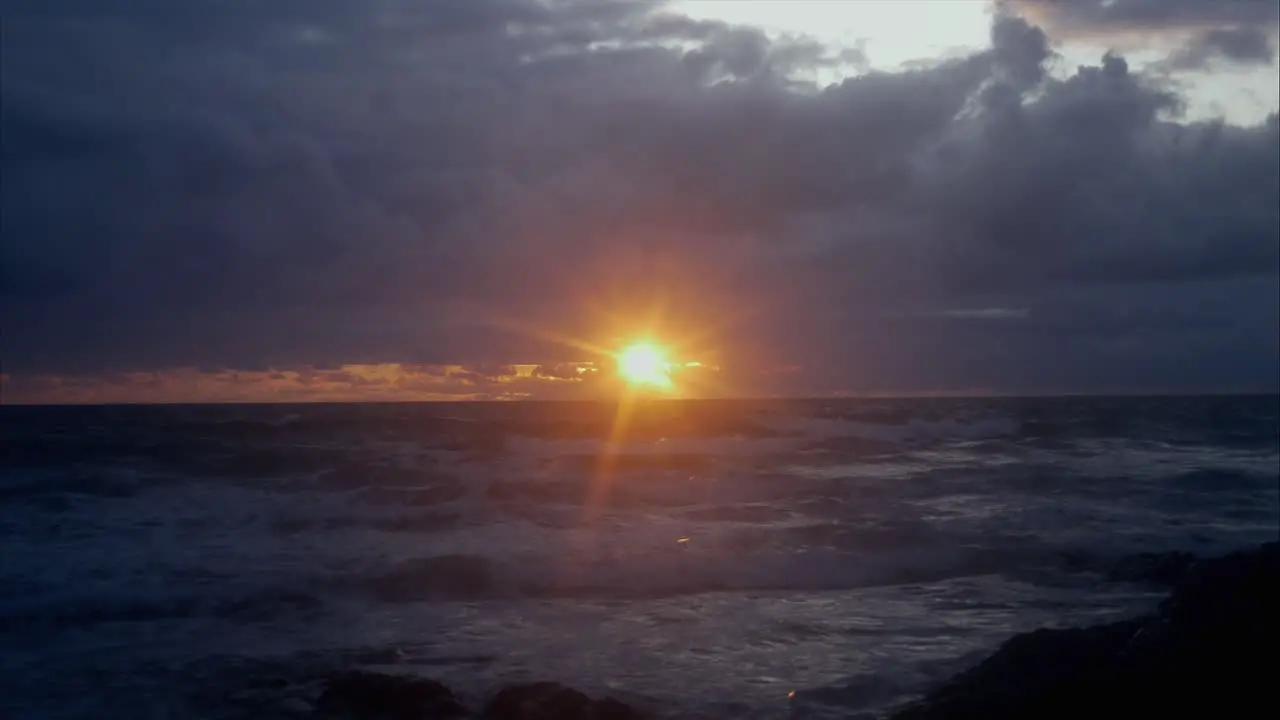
x: 1083, y: 17
x: 1238, y: 45
x: 287, y: 184
x: 1196, y: 34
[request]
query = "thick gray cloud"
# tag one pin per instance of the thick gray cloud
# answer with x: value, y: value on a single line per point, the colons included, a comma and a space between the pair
x: 1238, y: 45
x: 1105, y: 16
x: 251, y: 185
x: 1197, y: 34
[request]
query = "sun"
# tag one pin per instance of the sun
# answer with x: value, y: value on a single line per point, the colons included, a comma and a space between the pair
x: 644, y: 364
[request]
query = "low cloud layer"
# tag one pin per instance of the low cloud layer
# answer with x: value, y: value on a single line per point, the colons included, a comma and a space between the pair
x: 391, y: 382
x: 260, y: 187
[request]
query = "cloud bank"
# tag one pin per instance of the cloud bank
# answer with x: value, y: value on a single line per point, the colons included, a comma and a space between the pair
x: 243, y: 187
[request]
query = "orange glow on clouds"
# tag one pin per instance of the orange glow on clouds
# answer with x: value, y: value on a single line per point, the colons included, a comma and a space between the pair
x: 638, y: 367
x: 386, y: 382
x: 389, y: 382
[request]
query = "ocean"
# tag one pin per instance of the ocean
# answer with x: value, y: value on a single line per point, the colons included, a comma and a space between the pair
x: 701, y: 559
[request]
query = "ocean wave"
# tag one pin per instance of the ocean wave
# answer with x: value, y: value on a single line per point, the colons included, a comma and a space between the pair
x: 1222, y: 480
x: 411, y: 523
x: 677, y: 572
x: 817, y: 558
x: 827, y: 558
x: 259, y: 605
x: 720, y: 493
x: 676, y: 453
x: 899, y: 431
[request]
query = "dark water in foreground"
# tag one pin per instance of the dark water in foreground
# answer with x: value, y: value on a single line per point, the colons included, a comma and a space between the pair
x: 161, y: 562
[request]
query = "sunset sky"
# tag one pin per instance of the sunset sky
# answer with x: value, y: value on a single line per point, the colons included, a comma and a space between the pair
x: 240, y: 200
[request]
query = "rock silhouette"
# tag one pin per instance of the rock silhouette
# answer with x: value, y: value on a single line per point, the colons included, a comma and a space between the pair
x: 553, y: 701
x: 363, y: 695
x: 1208, y: 650
x: 359, y: 695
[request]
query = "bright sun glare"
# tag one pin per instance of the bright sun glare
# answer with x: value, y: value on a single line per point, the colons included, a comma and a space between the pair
x: 644, y: 364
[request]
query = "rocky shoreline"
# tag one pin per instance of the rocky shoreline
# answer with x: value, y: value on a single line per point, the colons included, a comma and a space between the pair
x: 362, y: 695
x: 1209, y: 649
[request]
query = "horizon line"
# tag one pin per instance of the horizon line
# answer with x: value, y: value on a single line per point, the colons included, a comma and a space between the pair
x: 745, y: 398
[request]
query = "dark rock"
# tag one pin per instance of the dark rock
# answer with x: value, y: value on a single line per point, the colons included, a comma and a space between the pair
x: 553, y: 701
x: 1030, y: 675
x: 1209, y: 650
x: 1231, y: 588
x: 361, y: 695
x: 1211, y: 645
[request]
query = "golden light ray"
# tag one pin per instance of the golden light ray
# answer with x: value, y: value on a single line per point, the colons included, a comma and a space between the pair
x: 603, y: 481
x: 639, y: 364
x: 644, y: 367
x: 529, y: 330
